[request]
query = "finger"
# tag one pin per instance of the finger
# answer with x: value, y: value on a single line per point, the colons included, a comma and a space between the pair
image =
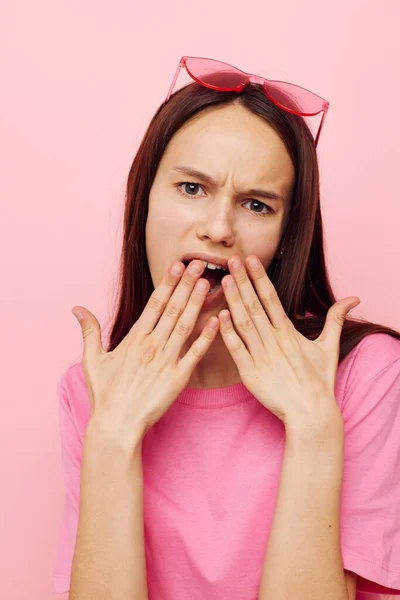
x: 267, y: 294
x: 185, y: 324
x: 156, y: 305
x: 91, y: 333
x: 335, y: 320
x: 179, y: 300
x: 199, y: 347
x: 235, y: 345
x: 252, y: 305
x: 243, y: 321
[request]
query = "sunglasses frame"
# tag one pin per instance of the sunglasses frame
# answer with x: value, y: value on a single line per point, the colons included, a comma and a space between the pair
x: 251, y: 78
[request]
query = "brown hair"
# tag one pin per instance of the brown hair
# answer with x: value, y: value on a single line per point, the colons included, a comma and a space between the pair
x: 299, y: 275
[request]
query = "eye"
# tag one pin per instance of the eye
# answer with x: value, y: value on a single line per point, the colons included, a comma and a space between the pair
x: 269, y: 210
x: 193, y: 184
x: 186, y: 183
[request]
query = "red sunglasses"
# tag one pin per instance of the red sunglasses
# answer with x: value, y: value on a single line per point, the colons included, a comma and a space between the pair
x: 223, y: 77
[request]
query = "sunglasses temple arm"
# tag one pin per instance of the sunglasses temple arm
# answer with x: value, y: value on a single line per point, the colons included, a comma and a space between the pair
x: 320, y: 127
x: 181, y: 64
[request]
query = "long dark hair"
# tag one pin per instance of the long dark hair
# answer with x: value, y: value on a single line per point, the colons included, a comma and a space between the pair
x: 299, y: 275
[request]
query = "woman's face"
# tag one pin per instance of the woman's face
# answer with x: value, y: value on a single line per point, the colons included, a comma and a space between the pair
x: 239, y: 151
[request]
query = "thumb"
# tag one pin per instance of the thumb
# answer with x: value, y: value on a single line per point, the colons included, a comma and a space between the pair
x: 91, y: 333
x: 335, y: 319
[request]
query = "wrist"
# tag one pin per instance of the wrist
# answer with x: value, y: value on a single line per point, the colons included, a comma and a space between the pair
x: 324, y: 429
x: 318, y: 448
x: 101, y: 433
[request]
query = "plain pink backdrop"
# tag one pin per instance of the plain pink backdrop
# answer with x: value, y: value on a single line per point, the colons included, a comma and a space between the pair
x: 79, y: 85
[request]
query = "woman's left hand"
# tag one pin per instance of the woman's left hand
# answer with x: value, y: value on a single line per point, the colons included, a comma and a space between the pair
x: 292, y: 376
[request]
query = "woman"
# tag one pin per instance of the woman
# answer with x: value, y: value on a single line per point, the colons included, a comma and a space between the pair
x: 264, y: 454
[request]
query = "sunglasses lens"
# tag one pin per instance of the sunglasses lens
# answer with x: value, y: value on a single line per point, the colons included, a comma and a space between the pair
x: 222, y: 76
x: 294, y: 98
x: 215, y: 74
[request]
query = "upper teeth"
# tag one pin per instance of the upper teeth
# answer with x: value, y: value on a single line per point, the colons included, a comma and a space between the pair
x: 212, y: 266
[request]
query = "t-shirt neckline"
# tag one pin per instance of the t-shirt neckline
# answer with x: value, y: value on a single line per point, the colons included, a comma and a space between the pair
x: 215, y: 397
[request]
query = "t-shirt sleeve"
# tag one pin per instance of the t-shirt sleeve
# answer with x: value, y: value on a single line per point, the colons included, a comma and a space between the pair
x: 71, y: 454
x: 370, y: 500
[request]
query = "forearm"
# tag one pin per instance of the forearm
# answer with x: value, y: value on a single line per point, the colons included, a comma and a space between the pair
x: 109, y: 558
x: 303, y: 558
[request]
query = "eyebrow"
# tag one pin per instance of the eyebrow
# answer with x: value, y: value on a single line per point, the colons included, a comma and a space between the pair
x: 208, y: 179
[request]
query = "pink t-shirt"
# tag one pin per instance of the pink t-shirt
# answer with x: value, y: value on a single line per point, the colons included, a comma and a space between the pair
x: 211, y: 468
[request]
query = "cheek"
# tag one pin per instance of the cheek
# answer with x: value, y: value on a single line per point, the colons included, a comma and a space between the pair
x: 166, y: 215
x: 263, y: 244
x: 160, y: 225
x: 162, y: 237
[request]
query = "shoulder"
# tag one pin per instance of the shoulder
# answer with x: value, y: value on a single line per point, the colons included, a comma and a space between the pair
x: 72, y: 379
x: 381, y: 348
x: 375, y: 353
x: 372, y: 386
x: 371, y: 367
x: 73, y: 395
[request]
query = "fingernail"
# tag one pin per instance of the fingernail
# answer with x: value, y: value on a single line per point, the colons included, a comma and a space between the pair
x: 177, y: 269
x: 78, y: 314
x: 254, y: 263
x: 236, y: 264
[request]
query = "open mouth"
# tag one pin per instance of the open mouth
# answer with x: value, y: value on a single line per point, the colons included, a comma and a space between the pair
x: 214, y: 276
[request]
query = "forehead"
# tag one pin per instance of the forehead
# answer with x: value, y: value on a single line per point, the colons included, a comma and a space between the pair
x: 231, y: 141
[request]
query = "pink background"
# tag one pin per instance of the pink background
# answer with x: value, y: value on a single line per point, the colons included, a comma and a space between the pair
x: 80, y: 82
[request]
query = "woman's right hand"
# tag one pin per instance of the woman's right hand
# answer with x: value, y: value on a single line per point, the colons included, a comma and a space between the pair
x: 131, y: 387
